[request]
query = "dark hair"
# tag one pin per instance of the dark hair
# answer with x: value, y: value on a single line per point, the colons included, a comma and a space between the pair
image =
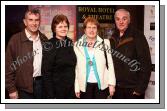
x: 92, y: 20
x: 56, y: 20
x: 34, y: 11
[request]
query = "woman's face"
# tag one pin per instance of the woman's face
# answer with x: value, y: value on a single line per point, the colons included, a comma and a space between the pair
x: 91, y: 30
x: 61, y: 29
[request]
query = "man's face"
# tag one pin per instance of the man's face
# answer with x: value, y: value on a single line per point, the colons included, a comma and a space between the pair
x: 91, y: 30
x: 122, y: 20
x: 32, y: 22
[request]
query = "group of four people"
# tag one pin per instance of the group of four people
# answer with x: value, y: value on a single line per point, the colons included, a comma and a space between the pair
x: 38, y: 68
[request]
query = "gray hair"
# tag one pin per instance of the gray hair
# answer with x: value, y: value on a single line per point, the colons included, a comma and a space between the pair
x: 128, y: 13
x: 34, y: 11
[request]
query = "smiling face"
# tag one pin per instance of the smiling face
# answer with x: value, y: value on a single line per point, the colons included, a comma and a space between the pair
x: 91, y: 30
x: 60, y: 26
x: 61, y: 30
x: 122, y: 20
x: 32, y: 22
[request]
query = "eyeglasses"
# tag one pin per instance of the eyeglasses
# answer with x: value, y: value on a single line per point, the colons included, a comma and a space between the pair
x: 93, y: 28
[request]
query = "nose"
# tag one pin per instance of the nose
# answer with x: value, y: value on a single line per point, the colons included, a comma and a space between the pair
x: 121, y: 21
x: 34, y: 22
x: 91, y: 29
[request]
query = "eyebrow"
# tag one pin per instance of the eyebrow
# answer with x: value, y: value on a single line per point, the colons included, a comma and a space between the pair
x: 122, y: 17
x: 32, y: 19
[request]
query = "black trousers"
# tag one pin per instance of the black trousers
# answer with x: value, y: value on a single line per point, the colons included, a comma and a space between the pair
x: 92, y: 92
x: 126, y: 93
x: 37, y: 90
x: 65, y: 91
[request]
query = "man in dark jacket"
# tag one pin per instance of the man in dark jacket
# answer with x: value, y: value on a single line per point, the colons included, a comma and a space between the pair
x: 131, y: 58
x: 23, y: 60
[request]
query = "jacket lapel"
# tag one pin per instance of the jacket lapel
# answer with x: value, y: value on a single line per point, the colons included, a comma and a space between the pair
x: 98, y: 43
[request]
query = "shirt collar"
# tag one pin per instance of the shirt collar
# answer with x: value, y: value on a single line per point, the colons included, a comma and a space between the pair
x: 29, y: 36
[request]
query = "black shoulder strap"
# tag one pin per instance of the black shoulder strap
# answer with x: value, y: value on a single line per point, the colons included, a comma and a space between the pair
x: 105, y: 54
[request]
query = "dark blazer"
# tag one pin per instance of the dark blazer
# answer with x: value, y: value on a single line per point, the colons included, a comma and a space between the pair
x: 19, y: 63
x: 132, y: 60
x: 58, y: 68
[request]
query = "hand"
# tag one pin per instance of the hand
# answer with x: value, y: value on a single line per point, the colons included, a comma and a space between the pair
x: 136, y: 93
x: 14, y: 95
x: 111, y: 90
x: 77, y: 94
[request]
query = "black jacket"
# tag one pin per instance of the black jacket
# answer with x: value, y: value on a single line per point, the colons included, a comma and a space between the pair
x: 132, y: 61
x: 58, y: 67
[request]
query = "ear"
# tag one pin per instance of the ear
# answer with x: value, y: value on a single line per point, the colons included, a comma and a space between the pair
x: 129, y: 20
x: 25, y: 23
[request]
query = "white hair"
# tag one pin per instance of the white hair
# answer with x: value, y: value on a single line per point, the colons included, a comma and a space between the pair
x: 128, y: 13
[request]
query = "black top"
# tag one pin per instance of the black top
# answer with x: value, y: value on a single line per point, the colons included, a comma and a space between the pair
x: 132, y: 60
x: 58, y: 67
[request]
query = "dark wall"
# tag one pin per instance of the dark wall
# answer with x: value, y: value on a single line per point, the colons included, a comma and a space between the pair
x: 13, y: 20
x: 137, y: 15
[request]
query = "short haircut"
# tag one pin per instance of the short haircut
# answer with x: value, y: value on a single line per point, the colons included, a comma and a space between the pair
x: 56, y: 20
x: 92, y: 20
x: 34, y: 11
x: 128, y: 13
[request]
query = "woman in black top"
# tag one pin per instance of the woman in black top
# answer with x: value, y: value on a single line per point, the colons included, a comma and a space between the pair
x: 59, y: 62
